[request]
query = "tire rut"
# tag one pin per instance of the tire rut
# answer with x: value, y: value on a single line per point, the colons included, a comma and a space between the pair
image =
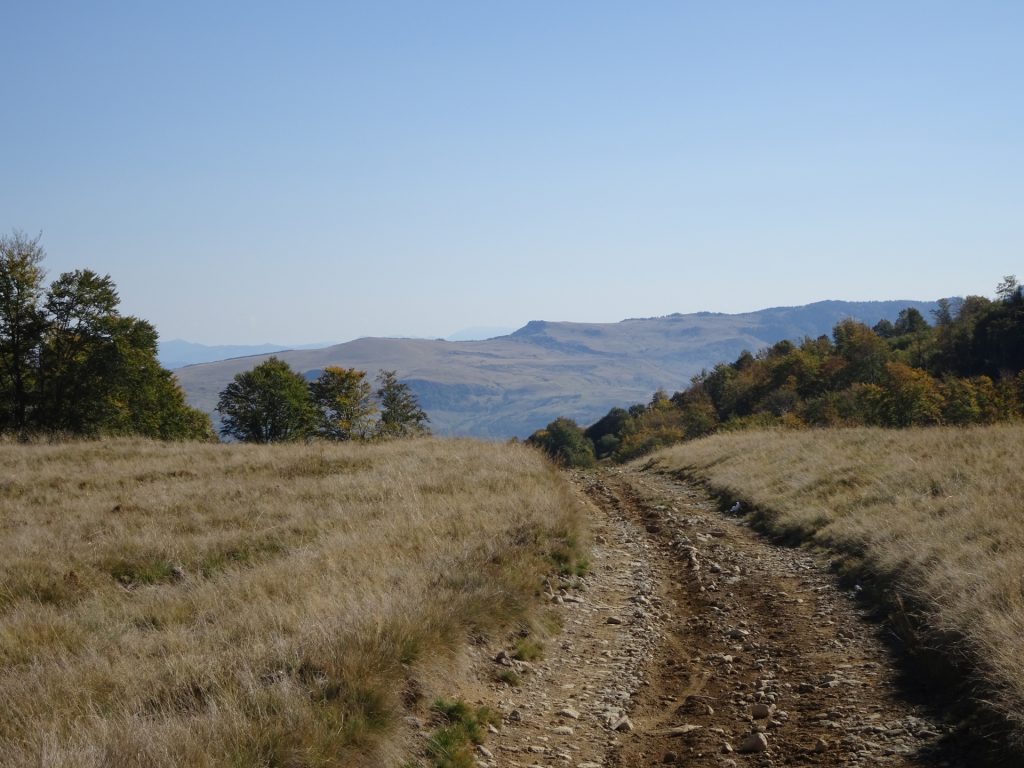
x: 768, y: 661
x: 695, y: 641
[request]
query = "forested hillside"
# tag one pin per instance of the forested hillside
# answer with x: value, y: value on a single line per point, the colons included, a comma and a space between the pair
x: 511, y: 385
x: 964, y: 367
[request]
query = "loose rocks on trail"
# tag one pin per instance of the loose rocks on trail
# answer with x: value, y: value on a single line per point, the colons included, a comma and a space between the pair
x: 693, y: 641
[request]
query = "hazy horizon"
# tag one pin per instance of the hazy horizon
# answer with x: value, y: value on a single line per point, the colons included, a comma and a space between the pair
x: 337, y: 171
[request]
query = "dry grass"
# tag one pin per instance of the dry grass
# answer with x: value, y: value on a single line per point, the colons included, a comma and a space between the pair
x: 935, y: 514
x: 198, y: 605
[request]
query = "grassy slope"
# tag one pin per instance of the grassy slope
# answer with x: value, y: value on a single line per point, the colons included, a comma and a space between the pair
x: 195, y: 605
x: 936, y: 514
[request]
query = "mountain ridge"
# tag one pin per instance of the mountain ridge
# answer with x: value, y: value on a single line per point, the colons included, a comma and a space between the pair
x: 511, y: 385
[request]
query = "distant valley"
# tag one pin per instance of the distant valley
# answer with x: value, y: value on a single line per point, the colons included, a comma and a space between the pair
x: 511, y: 385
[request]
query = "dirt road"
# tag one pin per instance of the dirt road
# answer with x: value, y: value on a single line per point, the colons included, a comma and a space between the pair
x: 694, y: 641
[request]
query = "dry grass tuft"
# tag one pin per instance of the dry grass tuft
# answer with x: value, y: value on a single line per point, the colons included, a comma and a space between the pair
x: 204, y: 605
x: 935, y: 514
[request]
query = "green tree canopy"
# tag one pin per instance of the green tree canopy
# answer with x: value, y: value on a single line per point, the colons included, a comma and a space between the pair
x: 563, y: 441
x: 344, y: 401
x: 400, y: 411
x: 71, y: 363
x: 21, y: 325
x: 269, y: 404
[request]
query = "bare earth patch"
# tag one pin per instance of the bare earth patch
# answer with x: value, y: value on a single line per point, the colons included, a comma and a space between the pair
x: 695, y: 641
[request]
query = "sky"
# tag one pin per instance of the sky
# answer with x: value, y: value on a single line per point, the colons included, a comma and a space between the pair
x: 294, y: 172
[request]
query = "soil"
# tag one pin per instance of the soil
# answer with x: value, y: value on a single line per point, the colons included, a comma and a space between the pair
x: 695, y: 641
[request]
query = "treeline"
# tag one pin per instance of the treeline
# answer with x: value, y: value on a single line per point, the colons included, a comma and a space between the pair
x: 273, y: 403
x: 966, y: 367
x: 71, y: 363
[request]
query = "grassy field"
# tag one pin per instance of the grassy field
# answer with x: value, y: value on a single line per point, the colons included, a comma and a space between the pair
x: 210, y: 605
x: 936, y: 516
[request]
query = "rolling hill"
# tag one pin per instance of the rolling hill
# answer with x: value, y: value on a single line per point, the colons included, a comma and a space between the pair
x: 514, y: 384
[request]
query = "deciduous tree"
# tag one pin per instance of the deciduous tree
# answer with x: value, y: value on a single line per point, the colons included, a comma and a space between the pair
x: 267, y: 404
x: 344, y: 401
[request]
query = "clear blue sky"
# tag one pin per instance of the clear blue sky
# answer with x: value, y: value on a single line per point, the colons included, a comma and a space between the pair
x: 293, y: 172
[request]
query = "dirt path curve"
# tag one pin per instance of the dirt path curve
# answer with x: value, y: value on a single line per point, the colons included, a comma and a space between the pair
x: 696, y: 642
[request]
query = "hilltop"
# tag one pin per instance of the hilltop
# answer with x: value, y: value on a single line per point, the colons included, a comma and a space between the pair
x: 511, y: 385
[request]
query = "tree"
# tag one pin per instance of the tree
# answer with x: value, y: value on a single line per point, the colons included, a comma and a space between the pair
x: 910, y: 320
x: 84, y: 342
x: 864, y: 353
x: 69, y: 362
x: 268, y: 404
x: 564, y: 442
x: 606, y: 432
x: 400, y: 412
x: 910, y: 397
x: 344, y: 400
x: 21, y: 325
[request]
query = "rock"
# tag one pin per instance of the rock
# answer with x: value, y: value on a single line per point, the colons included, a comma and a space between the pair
x: 484, y: 751
x: 755, y: 742
x: 562, y: 730
x: 568, y: 712
x: 820, y: 746
x: 515, y: 716
x: 623, y: 724
x: 613, y: 620
x: 760, y: 711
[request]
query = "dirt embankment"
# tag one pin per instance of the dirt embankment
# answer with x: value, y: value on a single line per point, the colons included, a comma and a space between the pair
x: 694, y: 641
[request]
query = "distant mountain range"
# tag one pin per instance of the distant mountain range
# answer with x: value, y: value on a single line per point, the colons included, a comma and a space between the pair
x: 177, y: 353
x: 514, y: 384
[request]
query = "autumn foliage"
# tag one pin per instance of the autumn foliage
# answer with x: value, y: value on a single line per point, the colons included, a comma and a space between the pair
x: 966, y: 368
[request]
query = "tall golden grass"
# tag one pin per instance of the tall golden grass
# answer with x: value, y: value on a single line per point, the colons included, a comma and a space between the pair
x: 935, y: 514
x: 204, y: 605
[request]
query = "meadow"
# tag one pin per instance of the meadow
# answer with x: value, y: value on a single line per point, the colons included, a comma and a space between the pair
x: 930, y: 519
x: 210, y: 605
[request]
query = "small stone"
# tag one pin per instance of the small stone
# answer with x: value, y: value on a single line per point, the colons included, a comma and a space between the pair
x: 568, y: 712
x: 624, y: 724
x: 613, y: 620
x: 760, y: 711
x: 484, y: 751
x: 755, y: 742
x: 562, y: 730
x: 820, y: 746
x: 515, y: 716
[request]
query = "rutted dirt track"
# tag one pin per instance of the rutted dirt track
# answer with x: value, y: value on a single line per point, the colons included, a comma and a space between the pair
x: 696, y: 642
